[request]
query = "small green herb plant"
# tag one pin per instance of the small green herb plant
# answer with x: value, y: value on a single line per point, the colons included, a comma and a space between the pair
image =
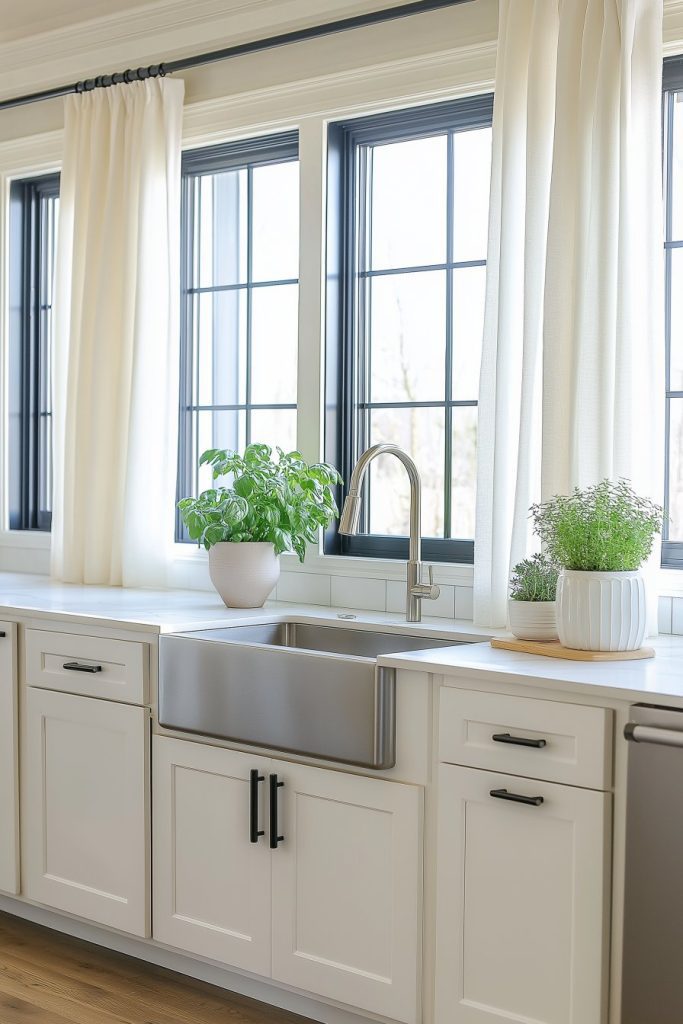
x: 534, y: 579
x: 604, y: 528
x: 282, y: 501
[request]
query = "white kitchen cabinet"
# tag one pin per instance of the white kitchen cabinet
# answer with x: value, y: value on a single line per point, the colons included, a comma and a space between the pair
x: 85, y: 811
x: 211, y: 883
x: 334, y: 909
x: 522, y: 892
x: 347, y: 889
x: 9, y: 768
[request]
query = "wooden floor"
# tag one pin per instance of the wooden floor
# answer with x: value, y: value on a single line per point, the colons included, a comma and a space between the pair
x: 49, y: 978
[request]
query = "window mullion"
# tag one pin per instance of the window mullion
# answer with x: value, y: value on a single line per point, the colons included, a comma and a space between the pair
x: 363, y: 290
x: 250, y: 258
x: 448, y: 411
x: 668, y: 219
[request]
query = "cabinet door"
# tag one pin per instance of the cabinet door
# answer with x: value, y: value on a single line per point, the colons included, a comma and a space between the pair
x: 521, y: 901
x: 211, y: 883
x: 9, y: 769
x: 85, y: 816
x: 347, y: 887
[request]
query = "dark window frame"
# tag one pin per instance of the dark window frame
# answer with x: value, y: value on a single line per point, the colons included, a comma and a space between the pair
x: 247, y: 154
x: 344, y: 184
x: 29, y: 292
x: 672, y: 82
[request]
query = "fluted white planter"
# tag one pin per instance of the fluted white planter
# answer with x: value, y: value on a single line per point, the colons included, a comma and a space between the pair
x: 533, y: 620
x: 244, y: 574
x: 601, y: 611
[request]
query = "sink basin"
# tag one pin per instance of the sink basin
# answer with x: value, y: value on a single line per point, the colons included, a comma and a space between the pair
x: 359, y: 643
x: 298, y: 687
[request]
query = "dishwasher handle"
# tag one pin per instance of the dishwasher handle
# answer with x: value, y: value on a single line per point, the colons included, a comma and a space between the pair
x: 653, y: 734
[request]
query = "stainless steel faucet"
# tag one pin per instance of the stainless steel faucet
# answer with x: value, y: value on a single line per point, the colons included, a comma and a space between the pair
x: 416, y: 590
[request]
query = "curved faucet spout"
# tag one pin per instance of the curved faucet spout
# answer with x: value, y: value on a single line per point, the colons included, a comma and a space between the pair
x: 350, y: 519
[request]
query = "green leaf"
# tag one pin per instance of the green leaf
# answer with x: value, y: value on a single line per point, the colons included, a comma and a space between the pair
x: 280, y: 500
x: 244, y: 486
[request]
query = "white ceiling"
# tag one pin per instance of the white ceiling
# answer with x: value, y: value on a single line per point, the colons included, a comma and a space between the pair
x: 22, y: 18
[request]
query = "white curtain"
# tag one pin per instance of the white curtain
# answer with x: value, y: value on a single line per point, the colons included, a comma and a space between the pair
x: 572, y: 366
x: 116, y: 335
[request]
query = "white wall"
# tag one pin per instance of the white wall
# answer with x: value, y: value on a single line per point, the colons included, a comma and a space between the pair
x: 431, y: 57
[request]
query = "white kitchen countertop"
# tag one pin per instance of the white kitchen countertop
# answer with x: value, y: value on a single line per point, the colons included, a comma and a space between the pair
x: 659, y: 678
x: 175, y: 611
x: 24, y: 595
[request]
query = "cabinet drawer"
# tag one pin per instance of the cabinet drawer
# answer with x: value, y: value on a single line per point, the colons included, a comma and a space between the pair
x: 87, y: 665
x: 567, y: 743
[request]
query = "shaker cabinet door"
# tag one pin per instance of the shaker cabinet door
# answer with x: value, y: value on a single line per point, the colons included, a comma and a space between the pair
x: 9, y: 767
x: 347, y: 889
x: 85, y: 811
x: 211, y: 882
x: 522, y: 887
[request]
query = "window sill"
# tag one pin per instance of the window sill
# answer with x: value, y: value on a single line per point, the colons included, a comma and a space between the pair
x: 34, y: 539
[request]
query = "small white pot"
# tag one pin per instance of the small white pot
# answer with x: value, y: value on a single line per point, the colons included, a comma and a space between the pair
x: 601, y: 611
x: 533, y: 620
x: 244, y: 574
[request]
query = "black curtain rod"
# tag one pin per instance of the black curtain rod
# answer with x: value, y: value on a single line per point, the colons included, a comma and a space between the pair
x: 255, y: 46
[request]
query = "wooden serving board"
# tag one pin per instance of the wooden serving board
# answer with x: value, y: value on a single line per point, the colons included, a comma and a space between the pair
x: 554, y: 649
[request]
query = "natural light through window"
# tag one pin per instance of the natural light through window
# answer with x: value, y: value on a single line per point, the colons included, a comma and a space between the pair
x: 674, y: 310
x: 422, y: 226
x: 240, y: 303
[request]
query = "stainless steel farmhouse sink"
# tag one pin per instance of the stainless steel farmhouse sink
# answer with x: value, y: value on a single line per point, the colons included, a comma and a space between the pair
x: 293, y: 686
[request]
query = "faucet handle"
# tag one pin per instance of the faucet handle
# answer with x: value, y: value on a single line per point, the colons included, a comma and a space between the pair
x: 434, y: 590
x: 427, y: 591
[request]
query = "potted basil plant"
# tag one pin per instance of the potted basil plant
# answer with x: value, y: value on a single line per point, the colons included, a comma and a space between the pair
x: 531, y: 608
x: 266, y: 506
x: 601, y: 536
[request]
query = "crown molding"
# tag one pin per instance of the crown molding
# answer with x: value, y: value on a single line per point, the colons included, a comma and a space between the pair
x: 673, y: 27
x: 165, y: 29
x: 418, y: 79
x: 31, y: 154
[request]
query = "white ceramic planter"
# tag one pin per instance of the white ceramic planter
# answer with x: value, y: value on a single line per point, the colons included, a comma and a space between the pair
x: 244, y: 574
x: 533, y: 620
x: 601, y: 611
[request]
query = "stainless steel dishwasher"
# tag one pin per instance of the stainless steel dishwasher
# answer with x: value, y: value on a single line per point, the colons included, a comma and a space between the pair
x: 652, y: 986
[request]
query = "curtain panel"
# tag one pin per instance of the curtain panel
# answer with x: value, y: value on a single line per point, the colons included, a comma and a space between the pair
x: 116, y: 335
x: 572, y: 365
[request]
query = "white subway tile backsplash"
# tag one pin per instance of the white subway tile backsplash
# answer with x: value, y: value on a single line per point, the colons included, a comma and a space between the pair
x: 677, y: 615
x: 304, y: 588
x: 464, y: 602
x: 443, y: 607
x: 665, y: 615
x: 359, y: 592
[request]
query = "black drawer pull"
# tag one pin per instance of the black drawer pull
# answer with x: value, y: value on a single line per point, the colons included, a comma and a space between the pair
x: 517, y: 798
x: 254, y: 831
x: 2, y: 633
x: 275, y: 838
x: 76, y: 666
x: 517, y: 741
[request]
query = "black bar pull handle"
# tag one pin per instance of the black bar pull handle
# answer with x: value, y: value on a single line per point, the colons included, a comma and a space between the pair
x: 275, y: 837
x: 254, y: 831
x: 517, y: 741
x: 76, y: 666
x: 517, y: 798
x: 2, y: 633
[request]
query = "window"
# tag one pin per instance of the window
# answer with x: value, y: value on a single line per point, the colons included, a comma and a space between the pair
x: 407, y: 240
x: 34, y: 208
x: 672, y: 547
x: 239, y: 301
